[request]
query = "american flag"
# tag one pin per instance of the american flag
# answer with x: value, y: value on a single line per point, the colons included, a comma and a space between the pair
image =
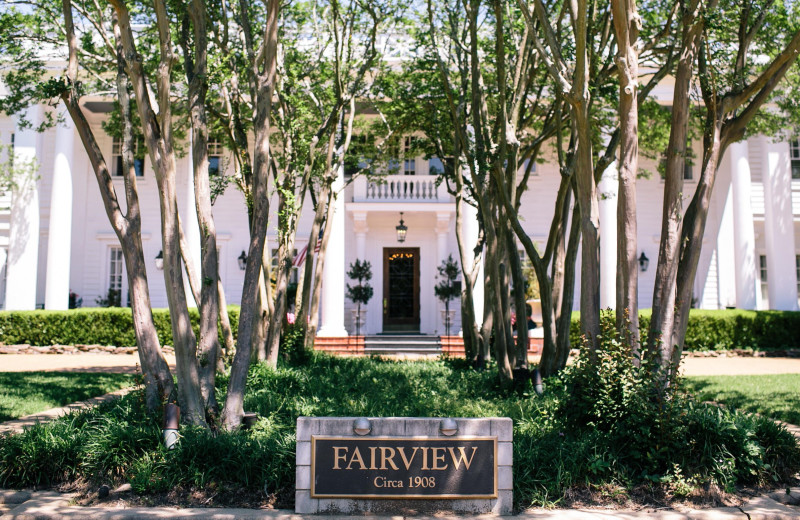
x: 300, y: 257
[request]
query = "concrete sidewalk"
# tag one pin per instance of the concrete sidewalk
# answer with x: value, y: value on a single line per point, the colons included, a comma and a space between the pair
x: 46, y: 505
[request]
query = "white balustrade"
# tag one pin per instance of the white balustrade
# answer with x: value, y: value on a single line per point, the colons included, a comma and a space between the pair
x: 400, y: 188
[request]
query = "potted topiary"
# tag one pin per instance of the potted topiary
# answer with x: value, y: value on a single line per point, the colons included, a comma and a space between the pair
x: 447, y: 289
x: 360, y: 293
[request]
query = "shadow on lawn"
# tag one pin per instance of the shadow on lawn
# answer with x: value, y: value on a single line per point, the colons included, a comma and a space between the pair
x: 780, y: 405
x: 22, y: 390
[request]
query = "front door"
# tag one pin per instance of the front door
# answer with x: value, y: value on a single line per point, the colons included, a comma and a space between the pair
x: 401, y: 289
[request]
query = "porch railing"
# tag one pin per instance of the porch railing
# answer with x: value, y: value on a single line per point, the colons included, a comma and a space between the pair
x: 399, y: 188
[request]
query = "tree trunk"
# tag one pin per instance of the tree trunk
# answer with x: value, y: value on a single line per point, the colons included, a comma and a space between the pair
x: 665, y: 289
x: 590, y: 228
x: 157, y: 377
x: 208, y: 345
x: 233, y: 411
x: 313, y: 317
x: 626, y: 24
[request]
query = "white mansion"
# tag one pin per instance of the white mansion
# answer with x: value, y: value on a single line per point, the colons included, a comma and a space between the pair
x: 55, y: 237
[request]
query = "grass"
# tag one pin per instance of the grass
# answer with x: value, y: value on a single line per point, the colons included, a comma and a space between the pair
x: 25, y: 393
x: 119, y: 442
x: 776, y: 396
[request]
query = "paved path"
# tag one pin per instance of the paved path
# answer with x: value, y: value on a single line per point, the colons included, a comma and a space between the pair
x: 46, y: 505
x: 119, y: 363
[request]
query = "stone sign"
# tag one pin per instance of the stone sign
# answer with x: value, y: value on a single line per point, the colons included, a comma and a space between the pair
x: 396, y: 467
x: 403, y: 465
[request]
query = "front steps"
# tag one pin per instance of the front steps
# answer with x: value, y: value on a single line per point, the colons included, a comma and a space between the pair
x: 402, y: 345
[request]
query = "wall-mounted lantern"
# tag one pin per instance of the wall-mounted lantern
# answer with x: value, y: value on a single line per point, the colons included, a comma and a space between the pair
x: 644, y: 262
x: 242, y: 261
x: 160, y: 260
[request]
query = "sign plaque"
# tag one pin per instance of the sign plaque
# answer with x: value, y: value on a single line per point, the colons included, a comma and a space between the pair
x: 403, y: 467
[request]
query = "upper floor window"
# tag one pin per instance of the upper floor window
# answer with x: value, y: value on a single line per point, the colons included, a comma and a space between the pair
x: 409, y: 162
x: 138, y: 157
x: 215, y: 150
x: 794, y: 154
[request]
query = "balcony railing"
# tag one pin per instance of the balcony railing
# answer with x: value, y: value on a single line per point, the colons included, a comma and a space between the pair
x: 400, y: 188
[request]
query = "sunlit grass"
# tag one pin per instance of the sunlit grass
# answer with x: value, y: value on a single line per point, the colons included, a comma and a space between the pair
x: 775, y: 396
x: 25, y: 393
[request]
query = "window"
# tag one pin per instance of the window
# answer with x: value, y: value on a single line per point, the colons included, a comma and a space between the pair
x: 214, y: 157
x: 527, y: 163
x: 138, y: 157
x: 794, y: 153
x: 762, y: 276
x: 797, y: 275
x: 437, y: 167
x: 688, y: 175
x: 357, y: 155
x: 292, y: 276
x: 409, y: 162
x: 115, y: 273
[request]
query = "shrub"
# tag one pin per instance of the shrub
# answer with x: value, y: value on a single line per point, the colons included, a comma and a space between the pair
x: 88, y: 326
x: 646, y: 428
x: 725, y: 329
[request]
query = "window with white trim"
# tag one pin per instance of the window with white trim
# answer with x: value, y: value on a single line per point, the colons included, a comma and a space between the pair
x: 116, y: 157
x: 115, y: 274
x: 797, y: 275
x: 293, y: 276
x: 762, y: 276
x: 215, y: 151
x: 794, y: 154
x: 409, y: 162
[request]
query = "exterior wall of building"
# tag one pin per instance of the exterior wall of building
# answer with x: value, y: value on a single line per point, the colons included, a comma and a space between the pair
x: 773, y: 230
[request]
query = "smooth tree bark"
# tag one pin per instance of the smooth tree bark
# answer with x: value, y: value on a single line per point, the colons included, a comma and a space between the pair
x: 159, y: 387
x: 196, y: 70
x: 727, y: 114
x: 158, y: 137
x: 665, y: 289
x: 627, y: 24
x: 264, y: 71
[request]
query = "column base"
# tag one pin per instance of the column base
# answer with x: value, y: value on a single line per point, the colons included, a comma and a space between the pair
x: 331, y: 332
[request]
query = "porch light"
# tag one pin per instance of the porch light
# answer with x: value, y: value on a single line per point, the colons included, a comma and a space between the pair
x: 242, y: 261
x: 401, y: 229
x: 160, y: 260
x: 643, y: 262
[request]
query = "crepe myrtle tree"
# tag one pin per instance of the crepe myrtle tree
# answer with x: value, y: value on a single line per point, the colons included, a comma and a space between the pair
x: 360, y: 293
x: 447, y: 289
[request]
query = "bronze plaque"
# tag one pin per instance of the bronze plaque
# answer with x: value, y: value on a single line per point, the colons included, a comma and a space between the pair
x: 403, y: 467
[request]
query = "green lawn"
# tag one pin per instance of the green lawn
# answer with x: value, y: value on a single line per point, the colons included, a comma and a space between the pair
x: 775, y: 396
x: 25, y: 393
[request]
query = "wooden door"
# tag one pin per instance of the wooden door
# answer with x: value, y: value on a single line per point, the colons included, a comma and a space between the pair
x: 401, y: 289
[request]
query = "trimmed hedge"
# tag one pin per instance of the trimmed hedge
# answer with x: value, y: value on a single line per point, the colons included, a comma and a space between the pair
x: 727, y: 329
x: 707, y: 330
x: 111, y: 326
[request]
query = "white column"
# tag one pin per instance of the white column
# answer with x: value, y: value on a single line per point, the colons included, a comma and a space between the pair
x: 59, y: 238
x: 607, y: 193
x: 333, y: 272
x: 190, y: 226
x: 471, y: 230
x: 726, y: 269
x: 360, y: 229
x: 743, y: 233
x: 442, y: 230
x: 23, y: 249
x: 779, y: 228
